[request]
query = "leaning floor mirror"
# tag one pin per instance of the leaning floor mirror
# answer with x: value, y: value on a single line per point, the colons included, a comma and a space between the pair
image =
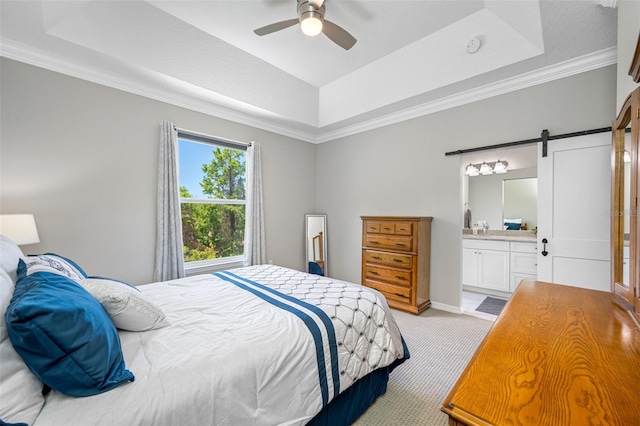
x: 316, y: 243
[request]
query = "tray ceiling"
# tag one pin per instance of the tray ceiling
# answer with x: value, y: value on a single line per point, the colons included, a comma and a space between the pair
x: 410, y: 59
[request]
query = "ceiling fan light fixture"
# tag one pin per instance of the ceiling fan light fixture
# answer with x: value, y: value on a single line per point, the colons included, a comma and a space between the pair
x: 311, y: 23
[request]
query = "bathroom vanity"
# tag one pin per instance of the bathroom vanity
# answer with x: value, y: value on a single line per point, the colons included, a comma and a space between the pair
x: 497, y: 261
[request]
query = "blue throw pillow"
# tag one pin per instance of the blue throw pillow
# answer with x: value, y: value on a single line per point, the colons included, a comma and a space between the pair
x: 513, y: 226
x: 64, y: 335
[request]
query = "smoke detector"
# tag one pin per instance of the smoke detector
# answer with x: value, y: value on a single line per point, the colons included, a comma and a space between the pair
x: 473, y: 45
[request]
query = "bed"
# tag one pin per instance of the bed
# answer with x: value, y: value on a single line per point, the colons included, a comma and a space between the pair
x: 256, y: 345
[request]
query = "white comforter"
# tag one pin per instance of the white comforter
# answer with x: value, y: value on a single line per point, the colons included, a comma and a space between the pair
x: 234, y: 356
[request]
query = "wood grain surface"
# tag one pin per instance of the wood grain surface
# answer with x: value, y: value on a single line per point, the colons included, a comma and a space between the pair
x: 557, y: 355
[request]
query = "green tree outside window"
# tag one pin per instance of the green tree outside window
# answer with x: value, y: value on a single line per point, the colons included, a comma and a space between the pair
x: 216, y: 230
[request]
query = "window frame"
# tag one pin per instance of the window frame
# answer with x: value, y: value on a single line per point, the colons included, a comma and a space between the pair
x: 203, y: 266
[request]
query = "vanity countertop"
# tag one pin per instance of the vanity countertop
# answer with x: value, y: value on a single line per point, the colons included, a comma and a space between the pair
x: 500, y: 238
x: 516, y: 236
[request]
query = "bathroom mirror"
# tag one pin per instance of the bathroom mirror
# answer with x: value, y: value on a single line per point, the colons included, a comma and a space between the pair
x: 316, y: 243
x: 508, y: 196
x: 624, y: 225
x: 520, y: 201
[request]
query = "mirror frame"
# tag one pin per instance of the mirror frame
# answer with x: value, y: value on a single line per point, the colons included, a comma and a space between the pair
x: 629, y: 116
x: 310, y: 242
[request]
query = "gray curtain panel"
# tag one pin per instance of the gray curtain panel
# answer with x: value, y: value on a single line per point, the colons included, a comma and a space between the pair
x: 255, y: 251
x: 169, y: 258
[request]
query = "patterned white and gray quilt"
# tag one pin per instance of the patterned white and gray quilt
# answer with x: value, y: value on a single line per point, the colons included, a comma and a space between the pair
x: 258, y: 345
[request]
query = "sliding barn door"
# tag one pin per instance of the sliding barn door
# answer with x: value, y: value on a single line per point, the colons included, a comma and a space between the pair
x: 574, y: 198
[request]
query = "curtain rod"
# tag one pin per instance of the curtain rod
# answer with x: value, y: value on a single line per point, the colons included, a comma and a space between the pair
x: 544, y: 137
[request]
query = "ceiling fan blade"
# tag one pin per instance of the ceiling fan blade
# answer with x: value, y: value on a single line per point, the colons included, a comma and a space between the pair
x: 338, y: 35
x: 272, y: 28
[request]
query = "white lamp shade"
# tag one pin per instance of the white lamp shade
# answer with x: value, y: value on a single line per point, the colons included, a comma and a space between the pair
x: 485, y: 169
x: 19, y: 228
x: 471, y: 170
x: 500, y: 167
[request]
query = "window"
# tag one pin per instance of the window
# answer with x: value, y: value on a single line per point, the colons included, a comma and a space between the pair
x: 212, y: 175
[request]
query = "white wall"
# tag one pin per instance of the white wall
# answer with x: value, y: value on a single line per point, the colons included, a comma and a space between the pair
x: 83, y: 159
x: 402, y: 169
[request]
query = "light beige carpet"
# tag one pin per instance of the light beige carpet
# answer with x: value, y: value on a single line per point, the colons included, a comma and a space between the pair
x: 441, y: 344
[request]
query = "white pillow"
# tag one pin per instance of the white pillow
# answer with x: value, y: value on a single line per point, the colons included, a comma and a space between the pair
x: 54, y: 264
x: 20, y: 389
x: 128, y: 308
x: 513, y: 220
x: 10, y: 253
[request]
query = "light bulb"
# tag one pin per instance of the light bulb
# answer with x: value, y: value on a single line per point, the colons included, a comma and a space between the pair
x: 311, y: 26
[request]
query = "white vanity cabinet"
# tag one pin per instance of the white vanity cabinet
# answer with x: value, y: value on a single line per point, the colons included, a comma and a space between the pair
x: 524, y: 262
x: 497, y: 264
x: 485, y: 264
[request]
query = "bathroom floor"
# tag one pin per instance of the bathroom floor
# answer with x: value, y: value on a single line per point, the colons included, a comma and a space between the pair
x: 470, y: 301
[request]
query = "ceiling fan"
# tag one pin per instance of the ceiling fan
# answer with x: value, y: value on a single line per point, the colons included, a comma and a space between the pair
x: 312, y: 22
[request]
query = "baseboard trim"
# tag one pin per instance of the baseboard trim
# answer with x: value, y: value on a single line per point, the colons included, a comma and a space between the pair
x: 447, y: 308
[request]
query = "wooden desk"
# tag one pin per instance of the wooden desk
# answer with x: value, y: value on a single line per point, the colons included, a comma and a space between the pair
x: 557, y: 355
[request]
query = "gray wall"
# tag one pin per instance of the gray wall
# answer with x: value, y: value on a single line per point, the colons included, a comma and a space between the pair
x: 83, y: 159
x: 401, y: 169
x: 628, y: 33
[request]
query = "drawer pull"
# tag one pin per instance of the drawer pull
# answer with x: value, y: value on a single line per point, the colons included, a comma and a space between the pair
x: 397, y: 260
x: 386, y: 229
x: 374, y: 242
x: 400, y: 277
x: 401, y: 244
x: 400, y: 294
x: 376, y: 257
x: 373, y: 273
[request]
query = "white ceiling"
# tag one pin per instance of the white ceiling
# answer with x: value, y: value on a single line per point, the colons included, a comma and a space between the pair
x: 410, y: 58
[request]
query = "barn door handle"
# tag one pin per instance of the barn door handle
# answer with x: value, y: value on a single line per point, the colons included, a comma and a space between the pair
x: 544, y: 247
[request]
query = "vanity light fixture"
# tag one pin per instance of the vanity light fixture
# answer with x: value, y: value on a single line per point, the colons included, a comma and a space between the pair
x: 498, y: 167
x: 472, y: 170
x: 485, y: 169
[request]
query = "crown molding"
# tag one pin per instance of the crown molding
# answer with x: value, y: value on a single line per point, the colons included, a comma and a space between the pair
x: 27, y: 54
x: 567, y: 68
x: 24, y: 53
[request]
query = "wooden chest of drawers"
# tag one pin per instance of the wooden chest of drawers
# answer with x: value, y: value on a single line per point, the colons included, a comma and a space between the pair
x: 396, y: 255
